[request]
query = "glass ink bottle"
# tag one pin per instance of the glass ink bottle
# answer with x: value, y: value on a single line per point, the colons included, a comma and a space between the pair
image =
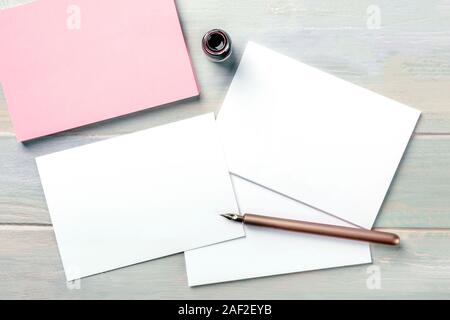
x: 216, y: 44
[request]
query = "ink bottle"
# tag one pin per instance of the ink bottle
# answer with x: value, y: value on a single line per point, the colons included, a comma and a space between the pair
x: 216, y: 44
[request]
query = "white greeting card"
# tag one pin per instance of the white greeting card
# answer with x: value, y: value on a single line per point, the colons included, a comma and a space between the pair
x: 264, y: 251
x: 312, y: 136
x: 139, y: 197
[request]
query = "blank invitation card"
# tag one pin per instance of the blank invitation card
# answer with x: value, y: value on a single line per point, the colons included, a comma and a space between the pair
x: 265, y: 251
x: 68, y: 63
x: 139, y: 197
x: 312, y: 136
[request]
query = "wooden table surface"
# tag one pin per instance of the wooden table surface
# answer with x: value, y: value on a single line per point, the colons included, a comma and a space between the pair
x: 407, y: 58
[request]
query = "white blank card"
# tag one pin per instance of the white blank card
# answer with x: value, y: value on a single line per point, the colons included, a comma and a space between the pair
x: 265, y: 251
x: 312, y: 136
x: 139, y: 197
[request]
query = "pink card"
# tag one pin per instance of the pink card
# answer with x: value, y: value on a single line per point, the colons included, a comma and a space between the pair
x: 68, y: 63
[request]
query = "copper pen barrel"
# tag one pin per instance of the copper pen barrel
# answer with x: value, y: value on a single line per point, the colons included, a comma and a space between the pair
x: 323, y: 229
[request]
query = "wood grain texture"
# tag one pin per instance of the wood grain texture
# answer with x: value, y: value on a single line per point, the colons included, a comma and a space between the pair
x: 407, y: 59
x: 32, y: 270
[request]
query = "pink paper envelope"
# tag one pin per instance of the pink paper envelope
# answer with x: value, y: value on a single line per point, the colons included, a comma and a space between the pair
x: 68, y: 63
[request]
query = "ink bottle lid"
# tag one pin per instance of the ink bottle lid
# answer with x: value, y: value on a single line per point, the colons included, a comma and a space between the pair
x: 216, y: 44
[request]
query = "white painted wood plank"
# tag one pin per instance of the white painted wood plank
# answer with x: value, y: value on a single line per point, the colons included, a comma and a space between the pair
x: 419, y: 196
x: 420, y: 268
x: 406, y: 59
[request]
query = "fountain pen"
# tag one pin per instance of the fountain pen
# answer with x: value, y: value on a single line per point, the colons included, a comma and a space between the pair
x: 316, y: 228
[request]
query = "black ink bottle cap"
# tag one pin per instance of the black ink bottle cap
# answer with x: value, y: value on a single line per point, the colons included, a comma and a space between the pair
x: 216, y: 44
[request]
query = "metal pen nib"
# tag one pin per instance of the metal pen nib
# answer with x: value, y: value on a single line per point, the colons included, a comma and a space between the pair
x: 233, y: 217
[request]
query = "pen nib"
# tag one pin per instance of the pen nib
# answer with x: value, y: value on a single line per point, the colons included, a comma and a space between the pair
x: 233, y: 217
